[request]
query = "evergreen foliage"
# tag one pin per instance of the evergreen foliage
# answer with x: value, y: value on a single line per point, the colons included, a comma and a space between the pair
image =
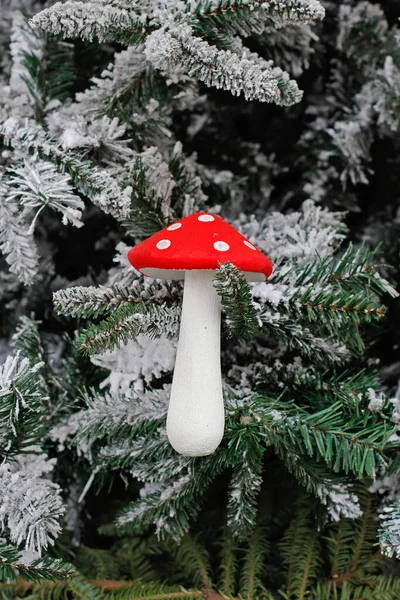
x: 115, y: 120
x: 266, y: 565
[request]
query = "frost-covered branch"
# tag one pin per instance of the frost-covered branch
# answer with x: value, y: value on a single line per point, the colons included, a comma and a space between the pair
x: 14, y: 565
x: 94, y: 301
x: 37, y: 185
x: 89, y: 20
x: 16, y: 242
x: 389, y: 534
x: 127, y: 323
x: 30, y: 504
x: 97, y: 184
x: 22, y: 404
x: 166, y: 48
x: 250, y: 16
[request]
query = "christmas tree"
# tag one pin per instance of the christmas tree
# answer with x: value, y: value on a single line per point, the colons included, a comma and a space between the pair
x: 119, y: 119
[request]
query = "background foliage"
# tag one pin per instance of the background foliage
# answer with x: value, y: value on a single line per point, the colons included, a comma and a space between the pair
x: 116, y: 119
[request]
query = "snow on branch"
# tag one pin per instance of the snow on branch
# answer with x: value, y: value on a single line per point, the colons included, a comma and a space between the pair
x: 159, y: 503
x: 21, y: 402
x: 30, y: 503
x: 87, y: 20
x: 36, y: 185
x: 176, y: 45
x: 242, y: 315
x: 98, y: 185
x: 244, y: 489
x: 389, y: 534
x: 93, y: 301
x: 128, y: 322
x: 16, y: 565
x: 250, y: 16
x: 338, y: 496
x: 118, y: 417
x: 16, y: 242
x: 300, y: 338
x: 297, y: 237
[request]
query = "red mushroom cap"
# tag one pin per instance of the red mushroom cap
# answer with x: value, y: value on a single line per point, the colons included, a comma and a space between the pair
x: 199, y: 242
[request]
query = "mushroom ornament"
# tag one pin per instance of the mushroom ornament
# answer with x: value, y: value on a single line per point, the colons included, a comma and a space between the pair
x: 192, y: 249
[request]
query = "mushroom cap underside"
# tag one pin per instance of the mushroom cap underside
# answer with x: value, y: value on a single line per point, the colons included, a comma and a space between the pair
x: 199, y: 242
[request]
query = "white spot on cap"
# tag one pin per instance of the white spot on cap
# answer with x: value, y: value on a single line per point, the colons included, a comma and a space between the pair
x: 163, y: 244
x: 246, y: 243
x: 221, y: 246
x: 174, y: 226
x: 206, y: 218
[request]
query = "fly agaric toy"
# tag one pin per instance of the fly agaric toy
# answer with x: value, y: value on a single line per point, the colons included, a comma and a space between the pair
x: 192, y: 249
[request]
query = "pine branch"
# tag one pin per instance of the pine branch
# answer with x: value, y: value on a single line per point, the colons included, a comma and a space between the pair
x: 27, y: 341
x: 22, y: 405
x: 301, y: 554
x: 352, y: 544
x: 354, y: 444
x: 389, y: 533
x: 220, y: 68
x: 179, y: 496
x: 251, y: 585
x: 245, y: 486
x: 155, y: 591
x: 121, y: 418
x: 16, y: 243
x: 98, y: 185
x: 195, y: 561
x: 90, y: 20
x: 127, y: 323
x: 228, y: 569
x: 300, y: 338
x: 354, y: 271
x: 46, y: 66
x: 242, y: 317
x: 249, y: 17
x: 43, y: 569
x: 37, y: 185
x: 94, y: 301
x: 149, y: 212
x: 337, y: 494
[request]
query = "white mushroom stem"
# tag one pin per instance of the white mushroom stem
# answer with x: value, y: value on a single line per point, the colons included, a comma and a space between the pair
x: 195, y: 422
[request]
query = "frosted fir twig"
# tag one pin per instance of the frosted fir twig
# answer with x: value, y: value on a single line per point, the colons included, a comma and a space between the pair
x: 22, y: 403
x: 250, y: 16
x: 88, y: 20
x: 30, y: 503
x: 127, y: 323
x: 13, y: 566
x: 354, y: 272
x: 389, y: 533
x: 147, y: 458
x: 179, y: 495
x: 97, y: 184
x: 121, y: 418
x: 121, y: 78
x: 244, y: 489
x: 16, y: 243
x: 339, y: 497
x: 26, y: 340
x: 297, y: 237
x: 37, y: 185
x: 26, y: 45
x: 223, y: 69
x: 93, y: 301
x: 242, y: 316
x: 298, y: 337
x: 342, y: 442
